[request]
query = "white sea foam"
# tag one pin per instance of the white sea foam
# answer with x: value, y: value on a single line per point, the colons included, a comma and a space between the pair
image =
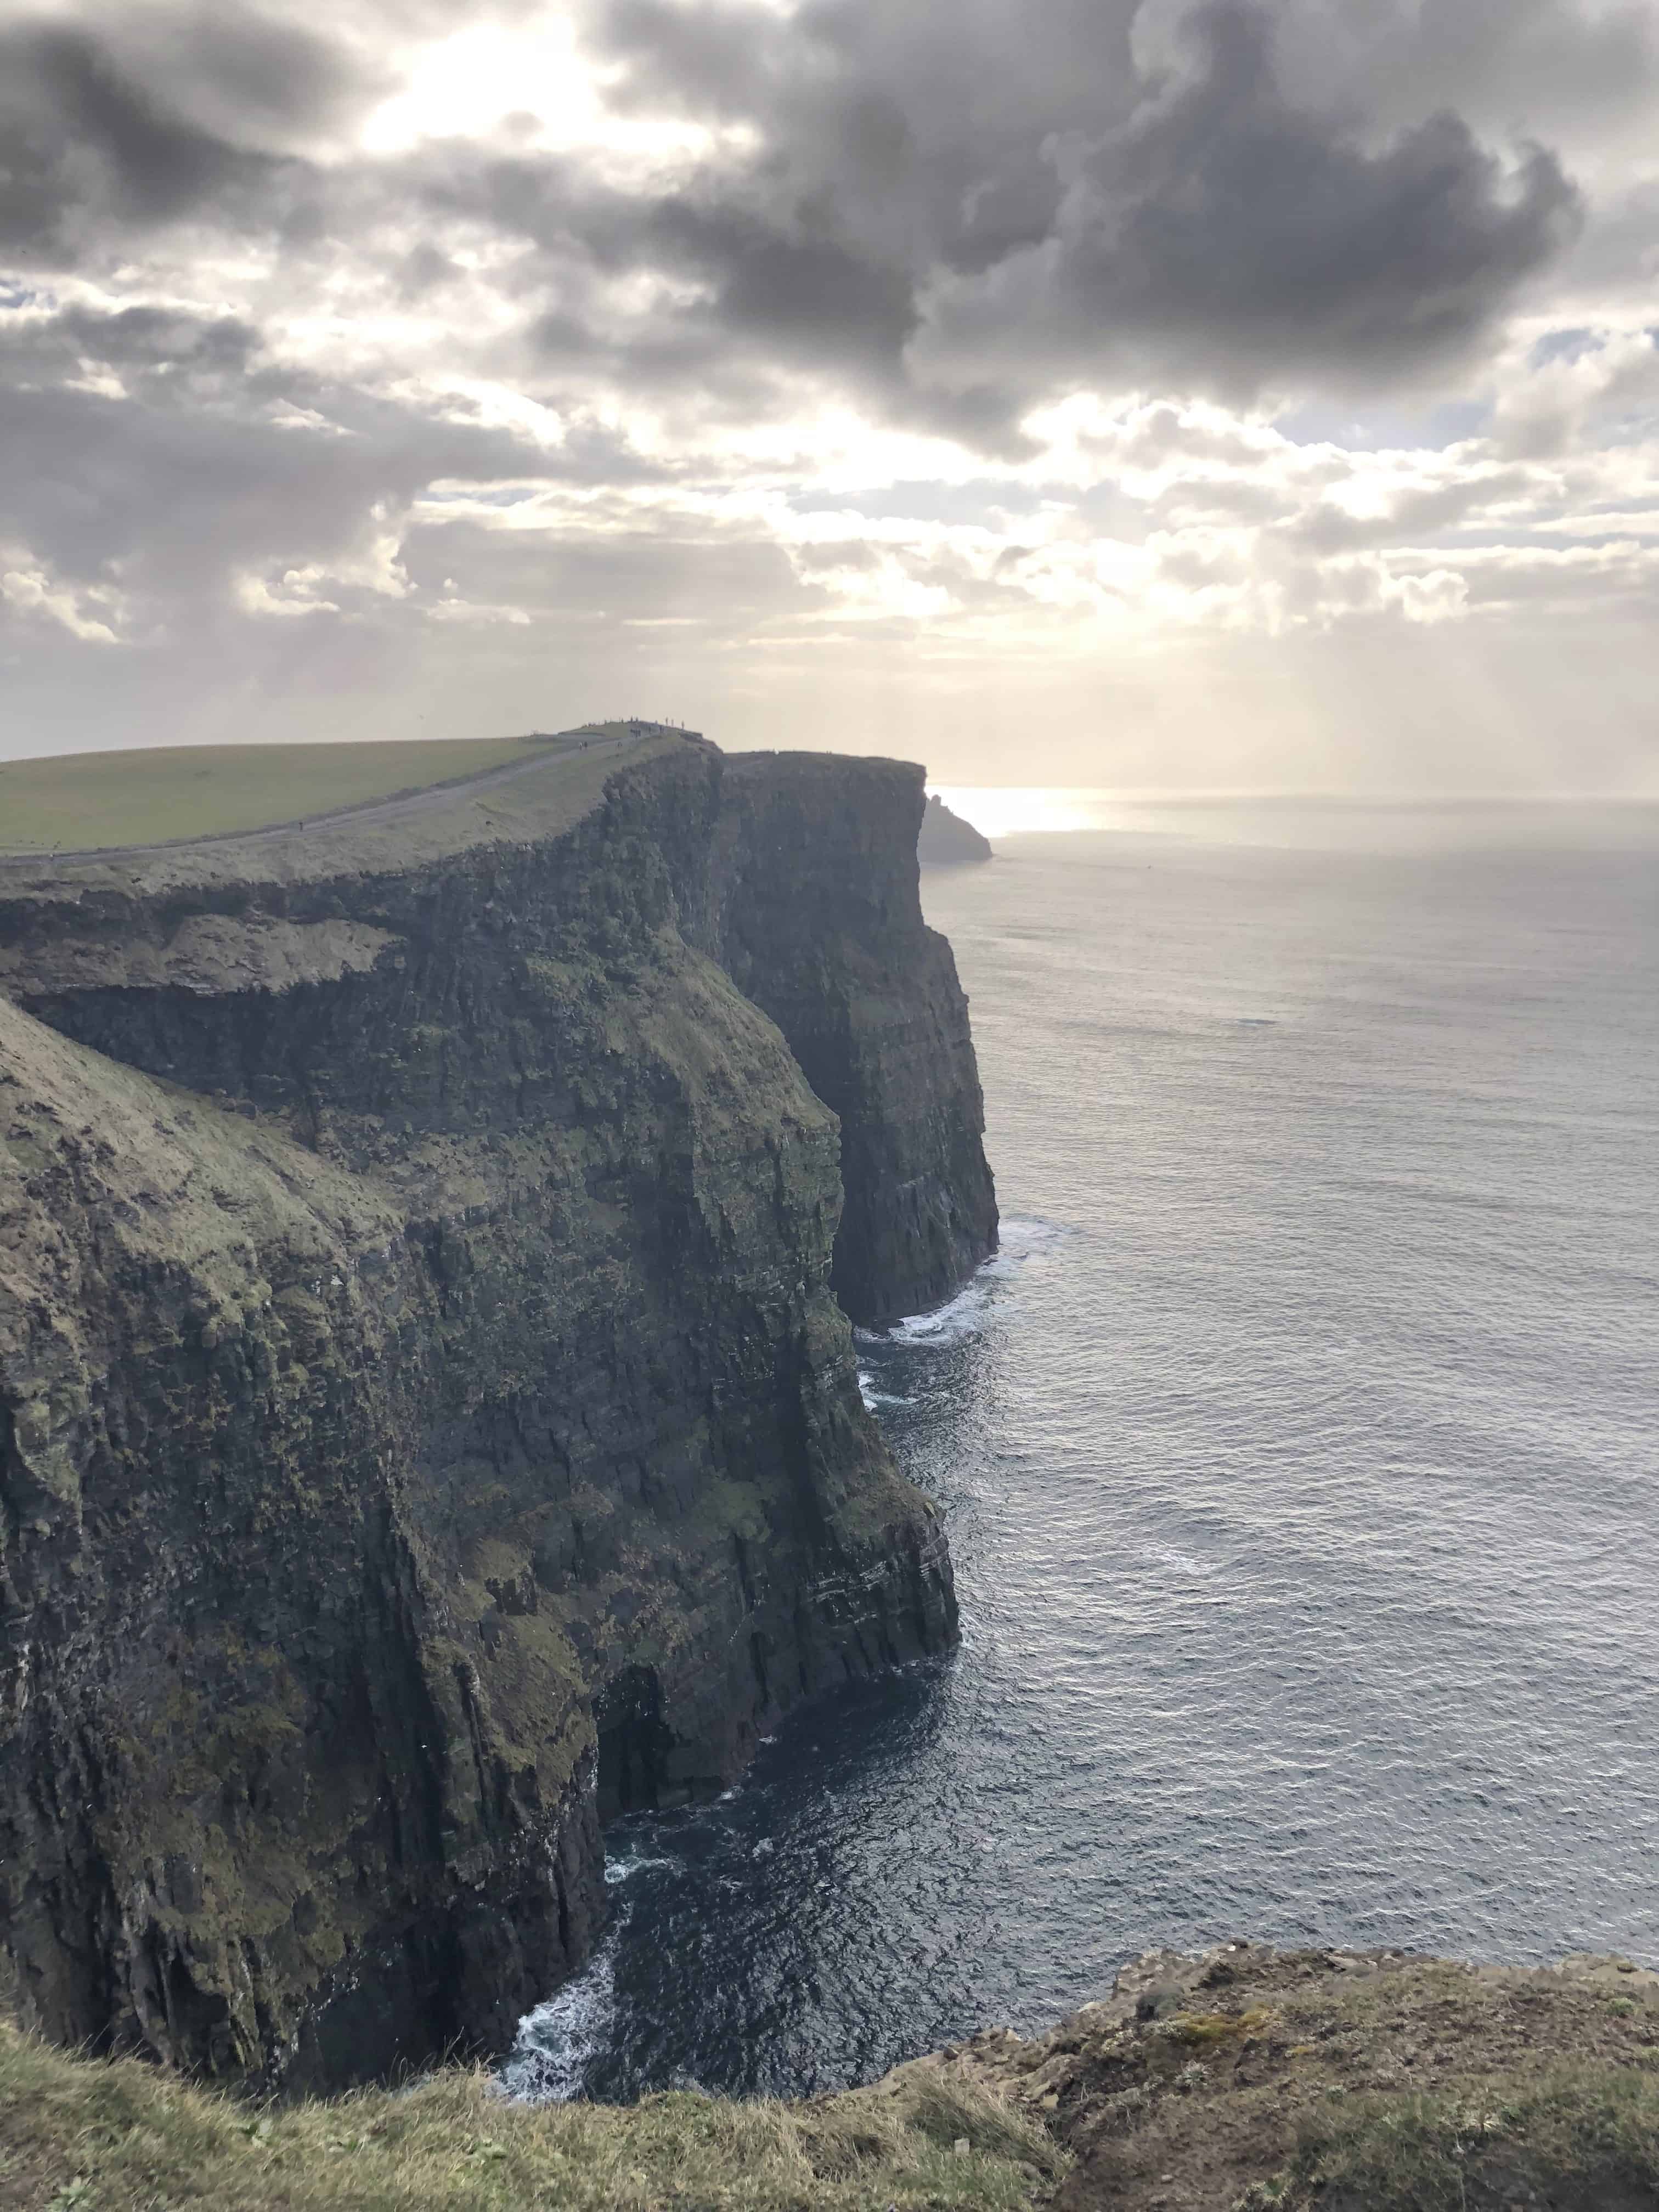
x: 618, y: 1870
x: 560, y: 2039
x: 963, y: 1315
x: 1183, y: 1562
x: 1024, y: 1237
x: 873, y: 1397
x: 949, y: 1323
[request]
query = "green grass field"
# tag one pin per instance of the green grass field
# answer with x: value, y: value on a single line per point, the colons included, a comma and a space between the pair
x: 79, y: 802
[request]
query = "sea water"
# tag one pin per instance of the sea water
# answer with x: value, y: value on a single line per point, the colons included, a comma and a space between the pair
x: 1298, y: 1451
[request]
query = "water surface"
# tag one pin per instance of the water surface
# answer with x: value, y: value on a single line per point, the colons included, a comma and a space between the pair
x: 1299, y: 1457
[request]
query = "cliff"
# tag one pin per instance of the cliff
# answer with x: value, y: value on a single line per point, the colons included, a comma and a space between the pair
x: 426, y: 1424
x: 819, y: 921
x: 946, y: 840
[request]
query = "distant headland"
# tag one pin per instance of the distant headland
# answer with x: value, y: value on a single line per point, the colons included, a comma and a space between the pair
x: 946, y: 840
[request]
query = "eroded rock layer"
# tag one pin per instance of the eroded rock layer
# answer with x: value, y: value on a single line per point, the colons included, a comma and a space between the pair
x: 426, y: 1424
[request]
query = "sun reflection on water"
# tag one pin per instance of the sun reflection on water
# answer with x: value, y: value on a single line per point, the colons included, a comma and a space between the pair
x: 1005, y: 810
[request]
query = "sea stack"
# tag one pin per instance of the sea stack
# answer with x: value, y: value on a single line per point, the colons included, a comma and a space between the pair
x: 946, y: 840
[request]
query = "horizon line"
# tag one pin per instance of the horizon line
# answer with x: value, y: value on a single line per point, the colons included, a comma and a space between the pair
x: 1146, y: 794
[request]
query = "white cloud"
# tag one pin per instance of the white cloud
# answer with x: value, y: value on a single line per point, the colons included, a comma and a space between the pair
x: 31, y: 588
x: 477, y: 614
x: 374, y: 566
x: 281, y: 596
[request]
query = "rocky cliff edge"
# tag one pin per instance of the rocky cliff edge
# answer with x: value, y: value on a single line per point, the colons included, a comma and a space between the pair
x: 1245, y: 2080
x: 1250, y: 2079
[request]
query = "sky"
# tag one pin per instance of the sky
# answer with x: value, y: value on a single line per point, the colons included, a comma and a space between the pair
x: 1169, y: 395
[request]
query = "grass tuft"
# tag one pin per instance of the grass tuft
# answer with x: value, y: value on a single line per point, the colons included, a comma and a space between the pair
x: 1576, y: 2134
x: 1201, y: 2031
x: 79, y: 2135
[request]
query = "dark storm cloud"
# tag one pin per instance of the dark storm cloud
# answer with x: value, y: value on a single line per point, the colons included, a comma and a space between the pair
x: 84, y: 140
x: 801, y: 288
x: 1497, y: 62
x: 952, y: 211
x: 163, y: 345
x: 786, y: 281
x: 946, y: 211
x: 213, y: 462
x: 760, y: 295
x: 155, y: 116
x: 1223, y: 236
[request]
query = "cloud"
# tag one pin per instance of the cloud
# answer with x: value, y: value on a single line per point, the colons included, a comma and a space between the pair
x: 1222, y: 237
x: 169, y: 350
x: 117, y: 126
x: 381, y: 351
x: 476, y: 612
x: 29, y: 589
x: 1580, y: 75
x: 1078, y: 214
x: 947, y: 215
x: 190, y: 460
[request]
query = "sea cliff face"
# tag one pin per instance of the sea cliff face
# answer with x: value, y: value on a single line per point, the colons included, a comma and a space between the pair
x: 426, y: 1423
x: 819, y: 922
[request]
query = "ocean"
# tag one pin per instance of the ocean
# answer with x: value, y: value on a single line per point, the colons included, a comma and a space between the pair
x: 1298, y: 1451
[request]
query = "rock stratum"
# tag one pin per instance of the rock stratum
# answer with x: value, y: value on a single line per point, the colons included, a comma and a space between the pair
x: 427, y: 1423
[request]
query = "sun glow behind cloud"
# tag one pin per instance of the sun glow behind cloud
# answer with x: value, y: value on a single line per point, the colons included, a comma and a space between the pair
x: 530, y: 84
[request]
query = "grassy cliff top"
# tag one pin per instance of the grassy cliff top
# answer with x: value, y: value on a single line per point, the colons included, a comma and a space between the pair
x: 1252, y: 2079
x: 1245, y: 2080
x: 116, y: 2136
x: 167, y: 819
x: 81, y: 802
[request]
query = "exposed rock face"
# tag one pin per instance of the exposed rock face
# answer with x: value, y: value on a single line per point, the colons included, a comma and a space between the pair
x: 818, y: 921
x: 425, y: 1422
x: 946, y: 840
